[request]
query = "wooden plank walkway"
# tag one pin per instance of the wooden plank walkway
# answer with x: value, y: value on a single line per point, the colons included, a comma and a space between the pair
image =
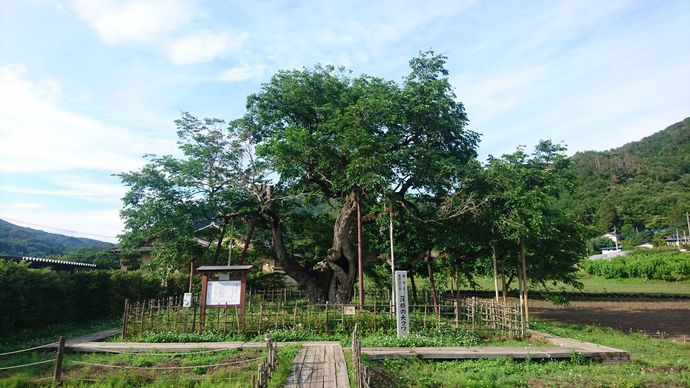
x: 89, y: 338
x: 564, y: 349
x: 322, y: 364
x: 141, y: 347
x: 319, y: 364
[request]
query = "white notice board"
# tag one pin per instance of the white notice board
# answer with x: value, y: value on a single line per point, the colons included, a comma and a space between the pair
x: 225, y: 292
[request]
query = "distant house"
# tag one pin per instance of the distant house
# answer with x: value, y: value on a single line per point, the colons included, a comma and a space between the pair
x: 615, y: 237
x: 610, y: 249
x: 677, y: 240
x: 609, y: 255
x: 644, y: 244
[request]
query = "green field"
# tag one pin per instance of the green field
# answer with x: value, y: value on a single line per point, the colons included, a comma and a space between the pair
x: 655, y: 363
x: 598, y: 284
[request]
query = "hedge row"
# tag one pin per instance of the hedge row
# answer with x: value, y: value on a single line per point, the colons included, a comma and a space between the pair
x: 35, y: 298
x: 661, y: 265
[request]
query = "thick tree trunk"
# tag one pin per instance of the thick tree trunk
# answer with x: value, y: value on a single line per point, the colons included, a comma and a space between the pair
x: 304, y: 278
x: 335, y: 282
x: 342, y: 256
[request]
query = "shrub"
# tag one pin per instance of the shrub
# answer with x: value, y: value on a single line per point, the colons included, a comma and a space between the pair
x: 661, y: 264
x: 36, y: 298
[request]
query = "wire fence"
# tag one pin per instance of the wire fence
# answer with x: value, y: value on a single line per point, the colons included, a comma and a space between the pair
x: 266, y: 364
x: 265, y: 312
x: 361, y: 370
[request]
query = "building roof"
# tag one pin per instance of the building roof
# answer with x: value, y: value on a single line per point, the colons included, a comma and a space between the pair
x: 224, y: 268
x: 58, y: 265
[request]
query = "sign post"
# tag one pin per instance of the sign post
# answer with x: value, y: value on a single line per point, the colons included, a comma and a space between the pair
x: 186, y: 303
x: 221, y: 289
x: 401, y: 311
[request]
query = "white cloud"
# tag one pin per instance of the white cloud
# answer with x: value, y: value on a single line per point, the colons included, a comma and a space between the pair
x: 24, y: 205
x: 75, y: 186
x: 241, y: 73
x: 204, y: 46
x: 142, y: 21
x: 37, y: 134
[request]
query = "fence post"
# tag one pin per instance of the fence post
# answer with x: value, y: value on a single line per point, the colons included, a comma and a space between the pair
x: 58, y: 360
x: 473, y: 311
x: 261, y: 313
x: 326, y: 317
x: 193, y: 317
x: 124, y: 320
x: 268, y: 344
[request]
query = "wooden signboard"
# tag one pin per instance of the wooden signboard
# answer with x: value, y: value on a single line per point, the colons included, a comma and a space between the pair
x: 223, y: 286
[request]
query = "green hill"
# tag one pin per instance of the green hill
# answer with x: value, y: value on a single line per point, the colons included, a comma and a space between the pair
x: 20, y: 241
x: 641, y: 185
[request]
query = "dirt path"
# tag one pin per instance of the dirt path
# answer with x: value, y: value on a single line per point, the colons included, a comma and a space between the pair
x: 670, y: 320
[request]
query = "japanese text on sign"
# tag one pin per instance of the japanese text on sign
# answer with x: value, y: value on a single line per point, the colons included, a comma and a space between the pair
x: 403, y: 324
x: 223, y: 292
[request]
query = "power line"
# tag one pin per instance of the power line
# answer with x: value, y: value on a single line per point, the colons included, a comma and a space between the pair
x: 61, y: 230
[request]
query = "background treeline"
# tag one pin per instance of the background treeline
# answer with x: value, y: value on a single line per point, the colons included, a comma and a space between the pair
x: 19, y: 241
x: 660, y: 264
x: 642, y: 185
x: 37, y: 298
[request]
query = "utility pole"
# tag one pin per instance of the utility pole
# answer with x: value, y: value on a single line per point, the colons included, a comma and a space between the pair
x: 687, y: 218
x: 232, y: 236
x: 392, y: 263
x: 615, y: 237
x: 360, y: 253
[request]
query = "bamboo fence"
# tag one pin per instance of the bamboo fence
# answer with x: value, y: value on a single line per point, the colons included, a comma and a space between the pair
x: 268, y: 311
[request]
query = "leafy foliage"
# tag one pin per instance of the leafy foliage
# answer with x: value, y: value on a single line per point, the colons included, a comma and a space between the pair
x: 355, y: 140
x: 185, y: 206
x: 36, y: 298
x: 643, y: 185
x: 642, y: 263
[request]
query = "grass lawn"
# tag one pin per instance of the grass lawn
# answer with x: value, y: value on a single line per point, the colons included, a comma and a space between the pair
x: 600, y: 284
x: 655, y: 363
x: 228, y: 368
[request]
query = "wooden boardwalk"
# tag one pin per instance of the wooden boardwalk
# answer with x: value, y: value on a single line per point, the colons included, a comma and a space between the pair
x: 564, y: 349
x: 322, y: 364
x: 319, y: 364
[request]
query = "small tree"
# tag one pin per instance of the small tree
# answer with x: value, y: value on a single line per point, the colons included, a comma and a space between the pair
x: 174, y: 202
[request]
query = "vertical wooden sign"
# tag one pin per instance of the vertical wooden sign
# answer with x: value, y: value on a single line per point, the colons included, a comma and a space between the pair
x: 401, y: 311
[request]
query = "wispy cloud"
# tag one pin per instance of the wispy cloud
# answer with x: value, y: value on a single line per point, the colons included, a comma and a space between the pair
x: 72, y: 185
x: 139, y: 21
x: 204, y: 46
x: 241, y: 73
x: 23, y: 205
x: 37, y: 134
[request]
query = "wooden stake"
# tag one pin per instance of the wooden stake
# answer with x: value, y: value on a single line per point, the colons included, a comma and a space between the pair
x: 58, y: 360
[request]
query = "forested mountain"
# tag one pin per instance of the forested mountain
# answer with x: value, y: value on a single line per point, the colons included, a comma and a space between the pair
x: 21, y: 241
x: 641, y: 185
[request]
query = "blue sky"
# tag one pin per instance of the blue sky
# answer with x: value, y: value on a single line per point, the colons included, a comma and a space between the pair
x: 87, y: 87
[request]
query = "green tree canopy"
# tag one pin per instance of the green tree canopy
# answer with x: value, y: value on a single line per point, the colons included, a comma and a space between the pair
x: 171, y: 199
x: 330, y: 135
